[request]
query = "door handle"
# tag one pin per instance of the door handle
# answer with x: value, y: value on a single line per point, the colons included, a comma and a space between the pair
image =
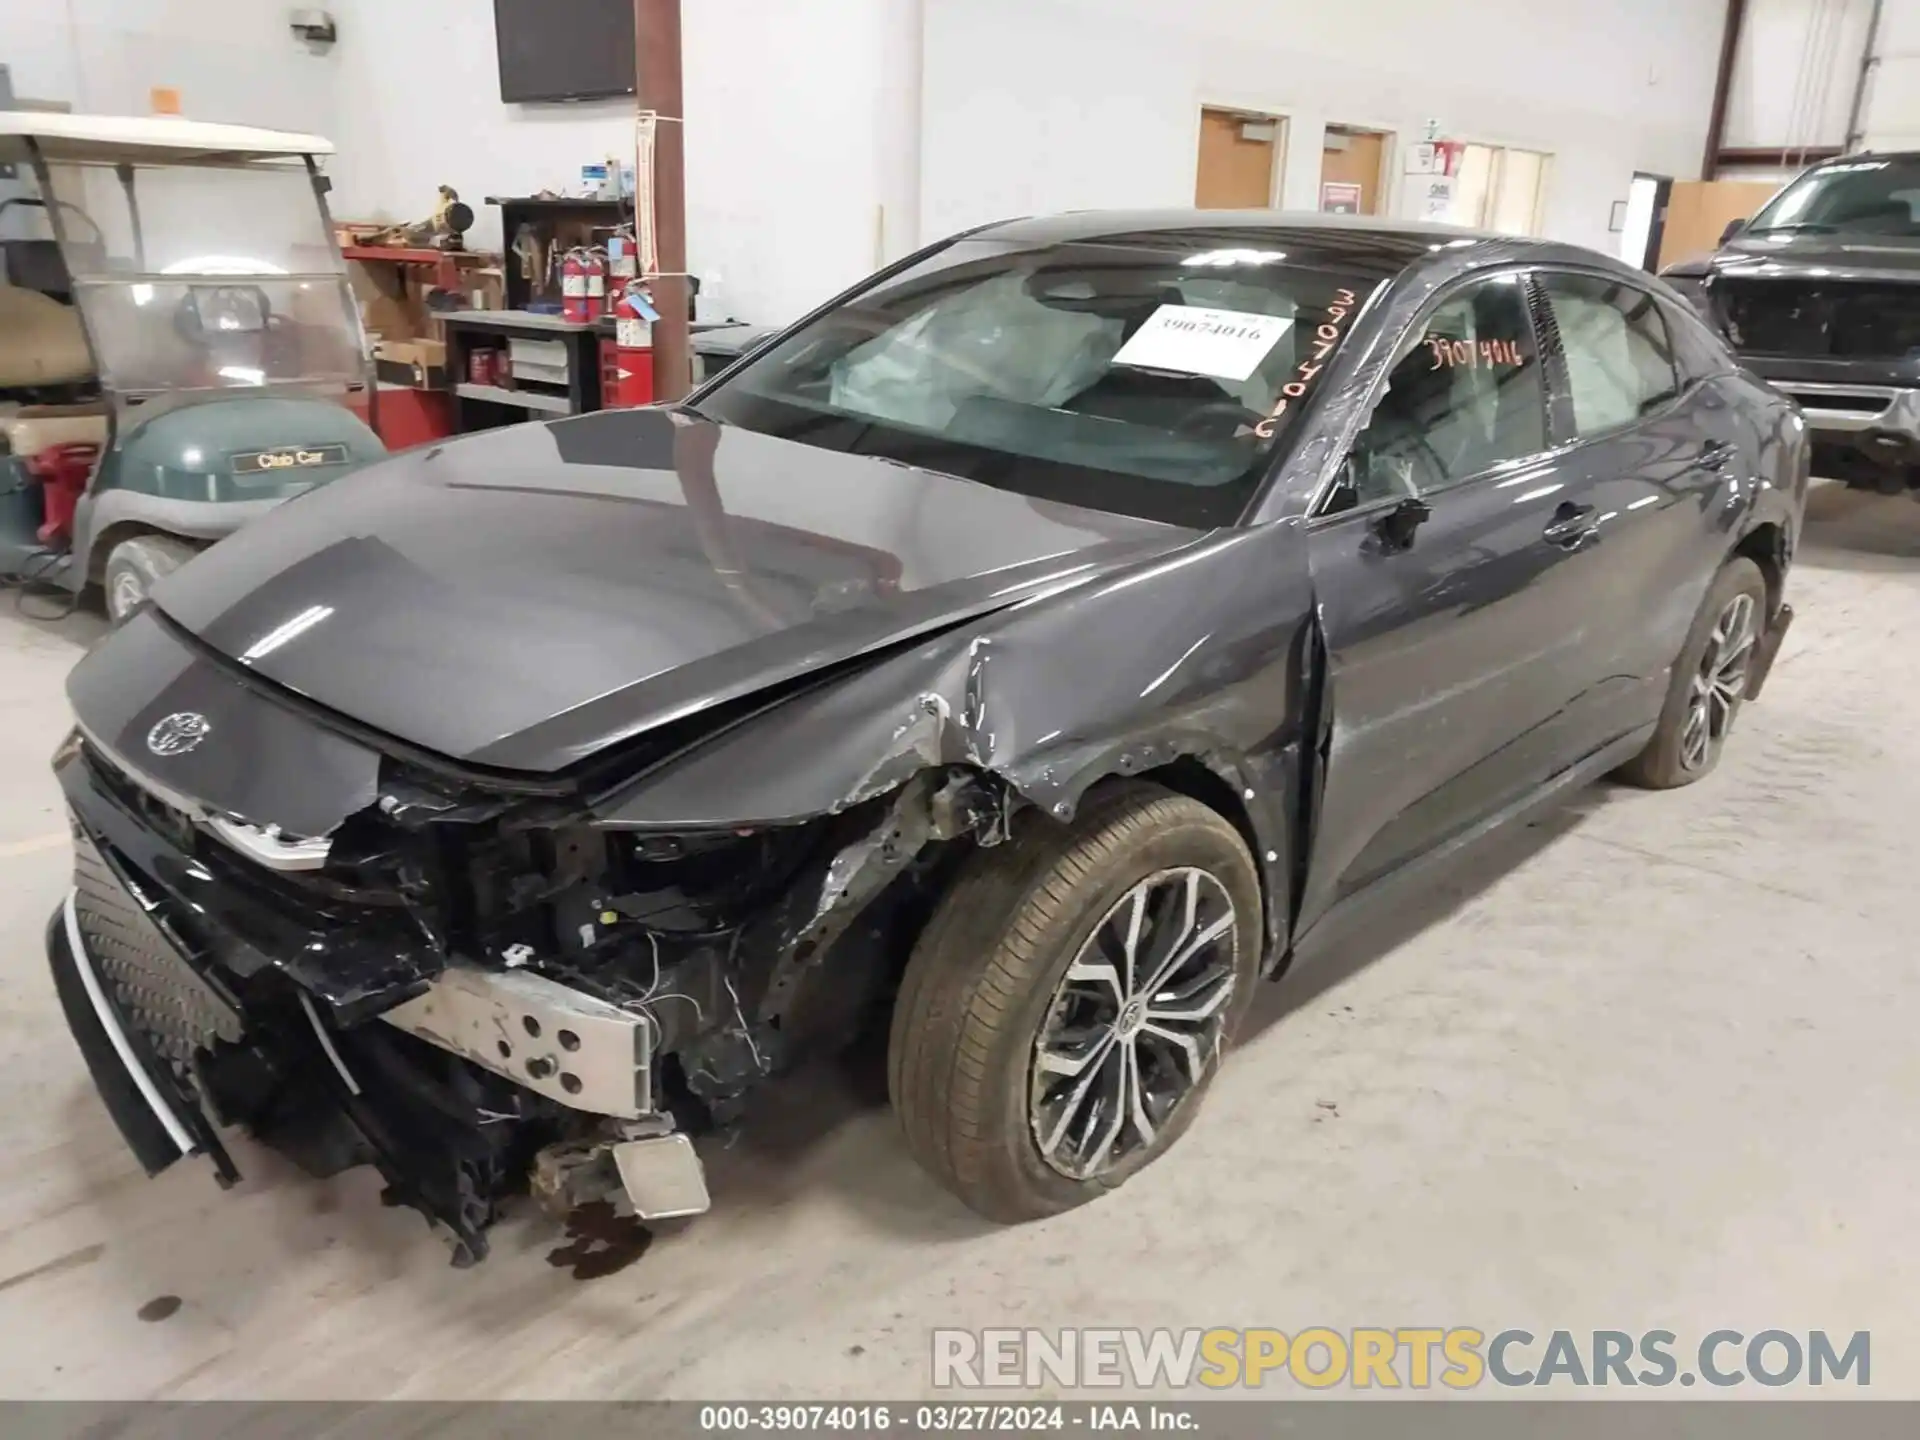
x: 1570, y: 526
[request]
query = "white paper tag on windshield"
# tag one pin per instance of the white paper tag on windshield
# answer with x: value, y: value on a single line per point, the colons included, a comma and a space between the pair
x: 1226, y: 344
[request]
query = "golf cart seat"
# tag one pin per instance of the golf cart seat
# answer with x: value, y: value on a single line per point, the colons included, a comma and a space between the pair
x: 34, y: 431
x: 41, y: 342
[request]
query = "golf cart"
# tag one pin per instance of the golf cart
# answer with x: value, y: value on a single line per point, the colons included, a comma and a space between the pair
x: 177, y: 342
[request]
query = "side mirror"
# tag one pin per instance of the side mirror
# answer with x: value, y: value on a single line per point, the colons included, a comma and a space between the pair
x: 1397, y: 527
x: 1734, y: 227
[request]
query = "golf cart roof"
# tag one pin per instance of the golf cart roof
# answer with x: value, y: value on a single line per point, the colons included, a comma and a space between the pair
x: 155, y: 139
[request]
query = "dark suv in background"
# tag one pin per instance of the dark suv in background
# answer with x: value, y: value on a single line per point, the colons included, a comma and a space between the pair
x: 1820, y: 294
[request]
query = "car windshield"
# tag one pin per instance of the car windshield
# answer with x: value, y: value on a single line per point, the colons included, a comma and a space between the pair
x: 1154, y: 377
x: 1864, y: 196
x: 206, y: 277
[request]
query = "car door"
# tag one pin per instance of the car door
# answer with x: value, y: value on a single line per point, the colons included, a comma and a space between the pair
x: 1453, y: 620
x: 1653, y: 452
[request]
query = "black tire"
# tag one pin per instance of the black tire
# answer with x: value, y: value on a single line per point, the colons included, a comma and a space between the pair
x: 133, y: 567
x: 1664, y: 763
x: 982, y: 982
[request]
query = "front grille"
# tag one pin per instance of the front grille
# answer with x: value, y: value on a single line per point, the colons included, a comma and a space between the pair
x: 1848, y: 319
x: 1858, y: 402
x: 157, y: 990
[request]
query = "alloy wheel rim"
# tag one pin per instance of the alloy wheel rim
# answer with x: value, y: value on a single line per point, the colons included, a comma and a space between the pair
x: 1718, y: 685
x: 128, y: 592
x: 1135, y: 1023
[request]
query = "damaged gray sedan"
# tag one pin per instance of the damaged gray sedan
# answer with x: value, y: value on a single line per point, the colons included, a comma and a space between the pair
x: 1021, y: 658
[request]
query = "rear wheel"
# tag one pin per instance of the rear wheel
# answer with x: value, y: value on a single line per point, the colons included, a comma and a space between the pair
x: 1069, y: 1002
x: 133, y: 566
x: 1709, y: 682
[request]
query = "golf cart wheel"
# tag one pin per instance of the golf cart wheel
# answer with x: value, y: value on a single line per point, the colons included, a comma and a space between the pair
x: 134, y: 565
x: 1070, y: 1000
x: 1709, y: 682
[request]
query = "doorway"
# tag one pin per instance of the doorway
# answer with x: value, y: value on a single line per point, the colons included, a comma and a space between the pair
x: 1239, y: 164
x: 1644, y: 219
x: 1500, y: 188
x: 1352, y: 162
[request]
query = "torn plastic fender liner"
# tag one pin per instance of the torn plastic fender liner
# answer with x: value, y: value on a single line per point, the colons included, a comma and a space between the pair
x: 796, y: 934
x: 1050, y: 696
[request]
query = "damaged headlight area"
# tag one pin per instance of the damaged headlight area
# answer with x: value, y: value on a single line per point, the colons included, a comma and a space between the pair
x: 481, y: 993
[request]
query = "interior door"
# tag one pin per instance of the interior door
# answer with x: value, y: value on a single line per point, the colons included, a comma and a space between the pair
x: 1448, y: 596
x: 1353, y: 158
x: 1236, y: 167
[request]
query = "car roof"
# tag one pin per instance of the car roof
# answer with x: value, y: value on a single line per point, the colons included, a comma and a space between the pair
x: 1367, y: 243
x: 64, y: 137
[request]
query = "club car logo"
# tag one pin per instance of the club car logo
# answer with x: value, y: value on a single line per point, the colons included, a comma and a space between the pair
x: 286, y: 459
x: 178, y: 733
x: 265, y: 462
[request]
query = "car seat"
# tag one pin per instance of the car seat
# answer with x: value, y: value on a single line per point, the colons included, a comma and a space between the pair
x: 41, y: 343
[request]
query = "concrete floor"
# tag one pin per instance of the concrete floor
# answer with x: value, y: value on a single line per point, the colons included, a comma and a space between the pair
x: 1649, y: 1063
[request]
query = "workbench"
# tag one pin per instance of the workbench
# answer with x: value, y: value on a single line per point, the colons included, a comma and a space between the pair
x: 486, y: 407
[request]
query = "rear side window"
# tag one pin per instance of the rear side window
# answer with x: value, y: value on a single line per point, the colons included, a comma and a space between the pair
x: 1619, y: 353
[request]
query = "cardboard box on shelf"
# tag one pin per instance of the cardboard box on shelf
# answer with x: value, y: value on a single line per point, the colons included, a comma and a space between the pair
x: 390, y: 307
x: 416, y: 364
x: 487, y: 288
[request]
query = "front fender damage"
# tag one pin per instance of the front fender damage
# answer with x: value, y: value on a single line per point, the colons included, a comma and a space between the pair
x: 749, y: 898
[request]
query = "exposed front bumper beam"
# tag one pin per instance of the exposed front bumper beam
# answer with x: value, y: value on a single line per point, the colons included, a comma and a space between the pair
x: 573, y: 1048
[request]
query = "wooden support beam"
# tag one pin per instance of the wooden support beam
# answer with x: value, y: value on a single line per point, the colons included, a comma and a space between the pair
x: 658, y: 88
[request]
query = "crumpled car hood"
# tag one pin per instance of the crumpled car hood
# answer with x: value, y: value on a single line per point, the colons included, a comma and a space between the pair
x: 525, y: 598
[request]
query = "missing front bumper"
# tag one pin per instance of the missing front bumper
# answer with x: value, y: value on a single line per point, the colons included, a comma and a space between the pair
x: 158, y: 1027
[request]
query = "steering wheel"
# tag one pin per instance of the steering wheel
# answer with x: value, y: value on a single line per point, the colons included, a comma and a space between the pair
x: 188, y: 317
x: 1201, y: 420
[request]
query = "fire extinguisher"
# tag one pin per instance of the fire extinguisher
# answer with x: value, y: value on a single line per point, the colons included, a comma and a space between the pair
x: 596, y: 263
x: 633, y: 345
x: 623, y: 264
x: 573, y: 288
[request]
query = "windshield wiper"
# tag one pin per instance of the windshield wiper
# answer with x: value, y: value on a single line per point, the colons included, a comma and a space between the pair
x: 1809, y: 227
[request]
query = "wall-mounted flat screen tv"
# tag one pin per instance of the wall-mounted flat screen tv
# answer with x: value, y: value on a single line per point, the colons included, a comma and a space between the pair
x: 563, y: 49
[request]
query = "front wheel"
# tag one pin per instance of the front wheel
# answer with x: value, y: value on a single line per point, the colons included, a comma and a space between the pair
x: 1069, y: 1002
x: 1709, y: 682
x: 135, y: 565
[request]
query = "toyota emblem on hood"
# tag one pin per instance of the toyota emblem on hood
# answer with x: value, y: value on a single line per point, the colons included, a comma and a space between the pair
x: 178, y: 733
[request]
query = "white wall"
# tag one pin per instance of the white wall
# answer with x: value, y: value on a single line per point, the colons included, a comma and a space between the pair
x: 802, y: 153
x: 419, y: 107
x: 1795, y: 71
x: 825, y: 137
x: 231, y: 60
x: 1035, y: 105
x: 1892, y: 112
x: 800, y: 123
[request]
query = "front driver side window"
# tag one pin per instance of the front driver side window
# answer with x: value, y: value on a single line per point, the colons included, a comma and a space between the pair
x: 1464, y: 396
